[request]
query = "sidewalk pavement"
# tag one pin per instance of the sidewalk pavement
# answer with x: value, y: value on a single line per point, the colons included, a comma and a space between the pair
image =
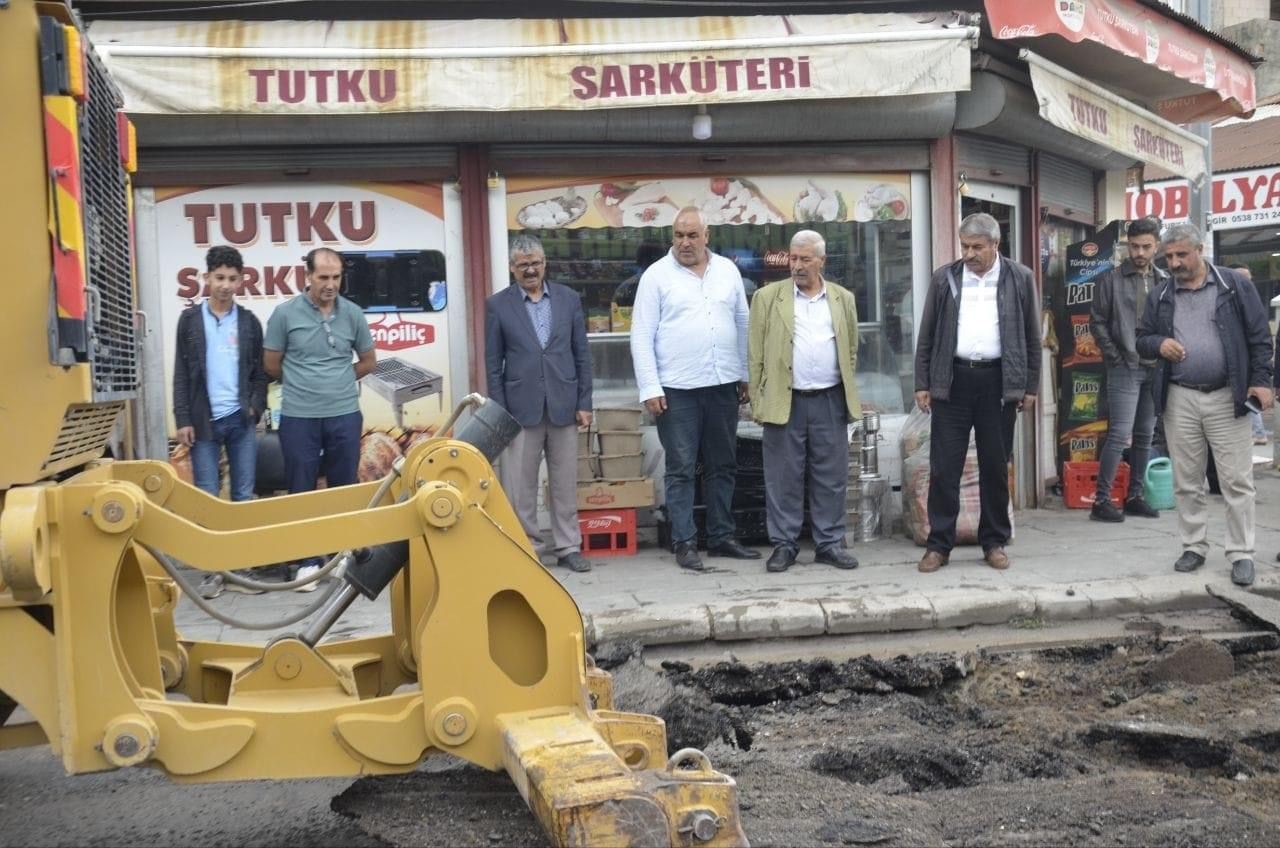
x: 1065, y: 567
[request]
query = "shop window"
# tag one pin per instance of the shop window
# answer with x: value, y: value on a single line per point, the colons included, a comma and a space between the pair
x: 600, y: 237
x: 395, y: 281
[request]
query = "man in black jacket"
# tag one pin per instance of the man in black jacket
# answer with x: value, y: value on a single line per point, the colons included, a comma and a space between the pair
x: 977, y: 365
x: 1119, y: 300
x: 1209, y: 330
x: 219, y: 386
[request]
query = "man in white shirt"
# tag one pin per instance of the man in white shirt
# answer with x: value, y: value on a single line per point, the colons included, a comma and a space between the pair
x: 803, y: 362
x: 977, y: 365
x: 689, y: 348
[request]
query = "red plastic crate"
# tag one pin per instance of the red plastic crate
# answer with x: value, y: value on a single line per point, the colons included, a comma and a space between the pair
x: 1080, y: 483
x: 608, y: 532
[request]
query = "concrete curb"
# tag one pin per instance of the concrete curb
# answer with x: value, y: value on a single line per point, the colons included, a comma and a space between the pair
x: 772, y: 618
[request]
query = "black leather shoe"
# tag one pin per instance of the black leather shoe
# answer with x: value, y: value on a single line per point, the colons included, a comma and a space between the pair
x: 837, y: 556
x: 1189, y: 561
x: 1139, y: 507
x: 734, y: 549
x: 1242, y: 572
x: 687, y: 557
x: 1105, y: 511
x: 781, y: 559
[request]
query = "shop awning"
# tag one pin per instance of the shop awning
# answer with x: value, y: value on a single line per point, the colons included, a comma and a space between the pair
x: 1156, y: 57
x: 328, y: 67
x: 1076, y: 105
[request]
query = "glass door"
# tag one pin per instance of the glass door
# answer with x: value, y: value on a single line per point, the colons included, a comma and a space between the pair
x: 1004, y: 203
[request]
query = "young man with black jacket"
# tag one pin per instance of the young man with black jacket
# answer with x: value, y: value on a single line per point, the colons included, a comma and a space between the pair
x: 1119, y: 300
x: 219, y: 385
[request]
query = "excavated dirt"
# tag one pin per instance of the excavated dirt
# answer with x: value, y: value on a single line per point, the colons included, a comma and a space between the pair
x: 1144, y: 741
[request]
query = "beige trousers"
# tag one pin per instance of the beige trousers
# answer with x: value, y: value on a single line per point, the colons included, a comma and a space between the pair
x: 1193, y: 423
x: 520, y: 464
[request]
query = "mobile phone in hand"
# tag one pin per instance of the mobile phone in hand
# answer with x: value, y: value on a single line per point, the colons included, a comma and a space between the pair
x: 1251, y: 404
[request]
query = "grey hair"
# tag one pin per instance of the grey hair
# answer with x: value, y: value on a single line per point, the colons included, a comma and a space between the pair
x: 693, y: 210
x: 809, y: 238
x: 980, y: 224
x: 525, y: 243
x: 1187, y: 232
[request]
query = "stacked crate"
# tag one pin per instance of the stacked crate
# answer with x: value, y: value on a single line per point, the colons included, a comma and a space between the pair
x: 610, y: 481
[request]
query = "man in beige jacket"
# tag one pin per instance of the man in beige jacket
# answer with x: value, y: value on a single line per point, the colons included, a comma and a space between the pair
x: 801, y: 357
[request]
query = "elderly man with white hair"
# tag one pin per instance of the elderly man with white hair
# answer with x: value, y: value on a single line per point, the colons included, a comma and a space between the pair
x: 802, y: 354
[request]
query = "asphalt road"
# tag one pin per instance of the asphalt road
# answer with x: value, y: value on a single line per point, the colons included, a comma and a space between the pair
x: 41, y: 806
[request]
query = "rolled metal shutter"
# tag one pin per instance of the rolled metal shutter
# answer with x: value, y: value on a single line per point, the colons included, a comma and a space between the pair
x: 993, y: 161
x: 1068, y: 188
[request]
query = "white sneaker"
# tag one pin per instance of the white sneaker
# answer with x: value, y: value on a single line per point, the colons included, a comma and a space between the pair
x: 305, y: 572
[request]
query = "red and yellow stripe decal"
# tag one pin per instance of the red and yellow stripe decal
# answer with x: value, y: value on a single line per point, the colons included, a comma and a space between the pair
x: 66, y: 226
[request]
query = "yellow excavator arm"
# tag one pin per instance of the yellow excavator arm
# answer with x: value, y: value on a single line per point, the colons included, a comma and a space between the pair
x: 485, y: 659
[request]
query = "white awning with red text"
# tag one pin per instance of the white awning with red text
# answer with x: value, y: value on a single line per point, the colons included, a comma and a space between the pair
x: 327, y: 67
x: 1078, y: 106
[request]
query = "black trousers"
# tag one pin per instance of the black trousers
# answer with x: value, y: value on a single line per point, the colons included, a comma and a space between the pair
x: 976, y: 406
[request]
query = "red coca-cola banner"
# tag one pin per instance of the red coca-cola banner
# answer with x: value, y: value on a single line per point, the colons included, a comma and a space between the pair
x: 1139, y: 32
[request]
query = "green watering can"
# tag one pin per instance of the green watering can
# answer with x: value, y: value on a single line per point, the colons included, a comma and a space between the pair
x: 1157, y: 484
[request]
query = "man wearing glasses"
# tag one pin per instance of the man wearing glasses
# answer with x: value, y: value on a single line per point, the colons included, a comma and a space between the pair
x: 538, y: 368
x: 309, y: 346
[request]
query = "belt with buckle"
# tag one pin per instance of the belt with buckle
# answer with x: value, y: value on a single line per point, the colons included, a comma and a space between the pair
x: 1200, y: 387
x: 977, y: 363
x: 814, y: 392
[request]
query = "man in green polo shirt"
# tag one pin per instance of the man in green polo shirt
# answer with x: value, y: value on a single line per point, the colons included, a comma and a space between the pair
x: 309, y: 345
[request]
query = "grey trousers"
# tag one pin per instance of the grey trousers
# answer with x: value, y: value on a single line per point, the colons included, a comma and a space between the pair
x: 521, y: 461
x: 810, y: 451
x: 1133, y: 415
x: 1194, y: 422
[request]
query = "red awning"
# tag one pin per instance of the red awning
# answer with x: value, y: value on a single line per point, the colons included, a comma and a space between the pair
x: 1136, y: 51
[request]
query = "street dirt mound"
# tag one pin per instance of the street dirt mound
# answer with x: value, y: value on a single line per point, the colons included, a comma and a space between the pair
x: 1145, y: 741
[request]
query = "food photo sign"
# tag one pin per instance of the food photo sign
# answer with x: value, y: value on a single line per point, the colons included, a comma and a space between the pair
x: 563, y: 202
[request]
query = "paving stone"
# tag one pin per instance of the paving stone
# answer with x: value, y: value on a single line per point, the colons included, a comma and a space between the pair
x: 873, y: 613
x: 654, y: 625
x: 766, y: 619
x: 963, y: 607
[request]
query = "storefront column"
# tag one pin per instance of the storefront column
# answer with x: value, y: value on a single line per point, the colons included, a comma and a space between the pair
x: 473, y: 167
x: 942, y: 159
x: 1111, y: 206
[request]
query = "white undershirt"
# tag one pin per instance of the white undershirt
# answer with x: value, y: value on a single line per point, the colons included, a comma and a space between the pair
x: 813, y: 356
x: 978, y: 331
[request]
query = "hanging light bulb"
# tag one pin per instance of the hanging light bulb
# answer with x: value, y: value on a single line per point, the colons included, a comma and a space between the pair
x: 702, y: 124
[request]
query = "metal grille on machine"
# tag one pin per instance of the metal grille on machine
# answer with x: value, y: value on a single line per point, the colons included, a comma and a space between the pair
x: 86, y: 427
x: 113, y: 351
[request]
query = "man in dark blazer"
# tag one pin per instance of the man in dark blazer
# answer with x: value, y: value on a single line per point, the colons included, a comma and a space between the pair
x: 539, y: 369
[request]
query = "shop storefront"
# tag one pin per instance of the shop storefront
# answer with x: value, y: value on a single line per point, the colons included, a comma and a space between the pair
x: 879, y: 130
x: 581, y: 131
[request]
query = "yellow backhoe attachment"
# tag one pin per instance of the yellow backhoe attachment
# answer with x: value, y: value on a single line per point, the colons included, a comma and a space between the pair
x: 485, y: 660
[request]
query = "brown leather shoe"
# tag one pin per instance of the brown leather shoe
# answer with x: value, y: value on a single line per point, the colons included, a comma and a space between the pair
x: 997, y: 559
x: 932, y: 561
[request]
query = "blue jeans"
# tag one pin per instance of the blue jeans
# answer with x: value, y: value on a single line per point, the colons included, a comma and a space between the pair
x: 238, y: 435
x: 309, y: 443
x: 705, y: 421
x: 1132, y: 414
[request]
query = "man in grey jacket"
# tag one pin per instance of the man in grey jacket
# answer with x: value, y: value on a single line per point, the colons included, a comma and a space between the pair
x: 977, y: 365
x: 1118, y: 302
x: 538, y: 368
